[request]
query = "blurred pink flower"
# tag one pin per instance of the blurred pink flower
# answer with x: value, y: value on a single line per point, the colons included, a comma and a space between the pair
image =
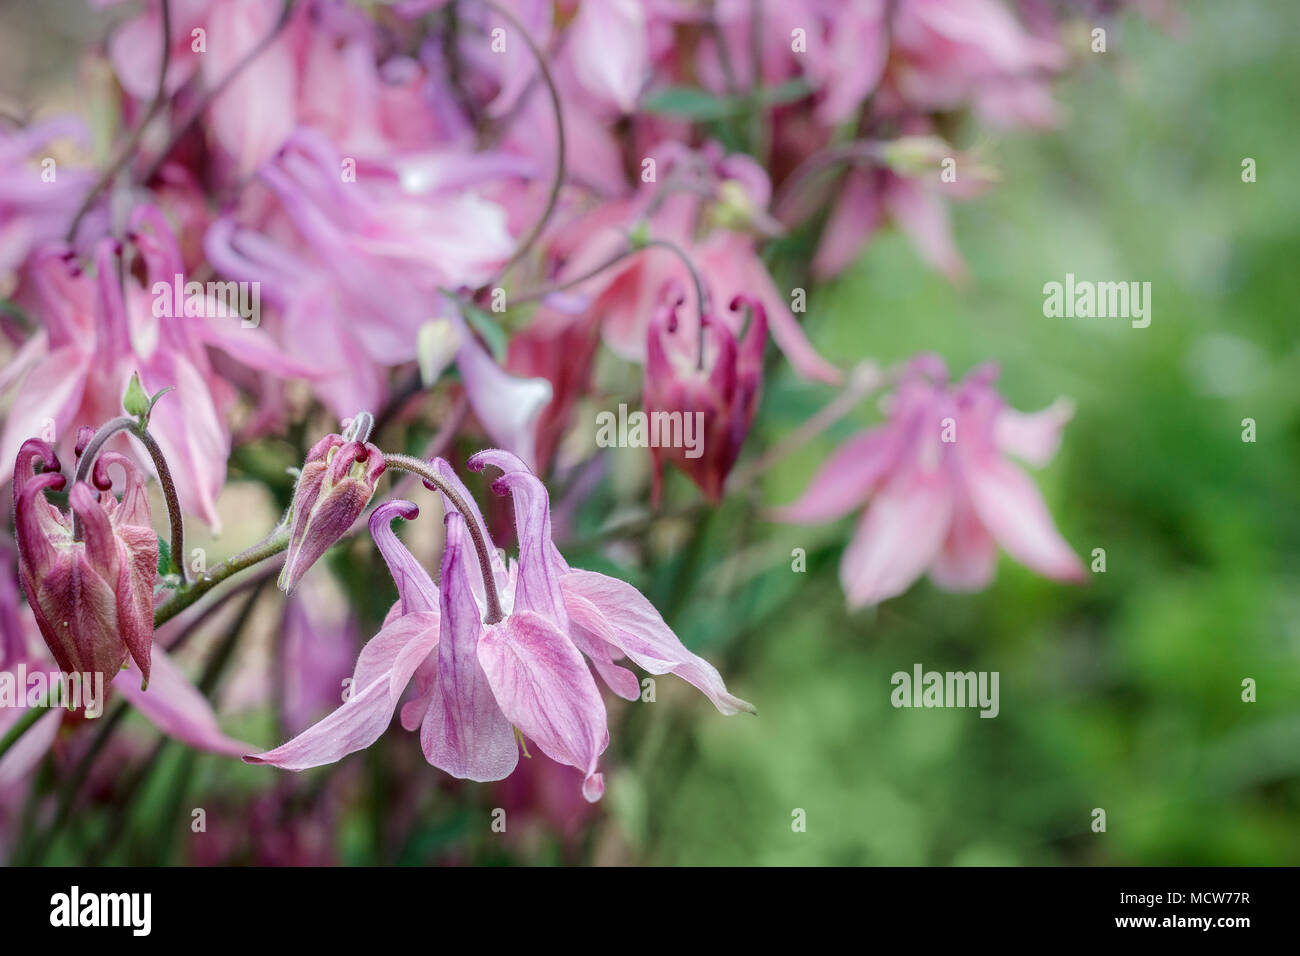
x: 98, y: 330
x: 357, y: 268
x: 866, y: 198
x: 719, y: 384
x: 939, y: 493
x: 37, y: 202
x: 732, y: 191
x: 606, y: 46
x: 947, y: 53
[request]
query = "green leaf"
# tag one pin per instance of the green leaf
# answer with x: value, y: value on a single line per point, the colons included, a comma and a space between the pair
x: 490, y: 329
x: 690, y: 102
x: 164, y: 557
x: 694, y: 103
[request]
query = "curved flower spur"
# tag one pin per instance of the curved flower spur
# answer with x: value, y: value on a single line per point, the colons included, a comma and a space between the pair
x: 511, y: 648
x: 89, y: 573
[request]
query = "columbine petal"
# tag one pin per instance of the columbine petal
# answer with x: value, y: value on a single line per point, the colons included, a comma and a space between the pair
x: 545, y: 689
x: 377, y: 684
x: 898, y: 537
x: 1032, y: 436
x: 969, y: 557
x: 540, y: 565
x: 175, y: 706
x: 1010, y: 506
x: 507, y: 406
x: 464, y: 731
x: 27, y: 752
x: 846, y: 479
x: 618, y: 613
x: 415, y: 589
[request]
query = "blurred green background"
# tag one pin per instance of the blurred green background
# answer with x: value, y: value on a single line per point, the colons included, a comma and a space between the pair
x: 1125, y: 694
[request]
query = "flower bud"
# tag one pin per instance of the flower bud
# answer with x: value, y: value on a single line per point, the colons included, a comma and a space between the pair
x: 715, y: 398
x: 93, y: 598
x: 333, y: 489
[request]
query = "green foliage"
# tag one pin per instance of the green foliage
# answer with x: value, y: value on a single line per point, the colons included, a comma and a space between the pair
x: 1125, y: 694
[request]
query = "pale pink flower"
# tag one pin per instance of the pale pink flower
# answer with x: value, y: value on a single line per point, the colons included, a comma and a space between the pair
x: 727, y: 259
x: 475, y: 682
x: 947, y: 53
x: 362, y: 266
x: 99, y: 329
x: 940, y: 495
x: 607, y: 48
x: 37, y: 200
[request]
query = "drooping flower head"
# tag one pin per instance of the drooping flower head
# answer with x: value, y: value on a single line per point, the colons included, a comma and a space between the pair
x: 334, y: 487
x: 92, y: 595
x: 481, y: 682
x: 940, y: 494
x: 710, y: 390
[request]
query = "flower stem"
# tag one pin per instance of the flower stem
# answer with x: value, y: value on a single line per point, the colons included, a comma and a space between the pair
x: 207, y: 97
x: 177, y: 523
x: 275, y: 543
x: 560, y: 144
x: 433, y: 479
x: 124, y: 155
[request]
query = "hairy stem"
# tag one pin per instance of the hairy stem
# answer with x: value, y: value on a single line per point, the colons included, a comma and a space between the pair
x: 276, y: 543
x: 481, y: 545
x: 173, y: 502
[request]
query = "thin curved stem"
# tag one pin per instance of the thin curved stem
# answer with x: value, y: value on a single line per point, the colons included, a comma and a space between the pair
x: 701, y: 297
x: 430, y: 477
x: 211, y: 94
x: 88, y: 455
x: 861, y: 152
x: 275, y: 543
x: 132, y: 141
x: 107, y: 431
x: 561, y: 145
x: 173, y: 502
x: 541, y: 292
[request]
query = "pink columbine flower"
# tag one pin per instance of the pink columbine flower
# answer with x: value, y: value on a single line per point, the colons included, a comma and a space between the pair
x: 100, y: 328
x: 171, y: 702
x: 719, y: 388
x: 334, y: 487
x: 938, y: 489
x: 409, y: 231
x: 37, y: 202
x: 607, y: 47
x: 92, y: 598
x: 476, y: 682
x: 732, y: 194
